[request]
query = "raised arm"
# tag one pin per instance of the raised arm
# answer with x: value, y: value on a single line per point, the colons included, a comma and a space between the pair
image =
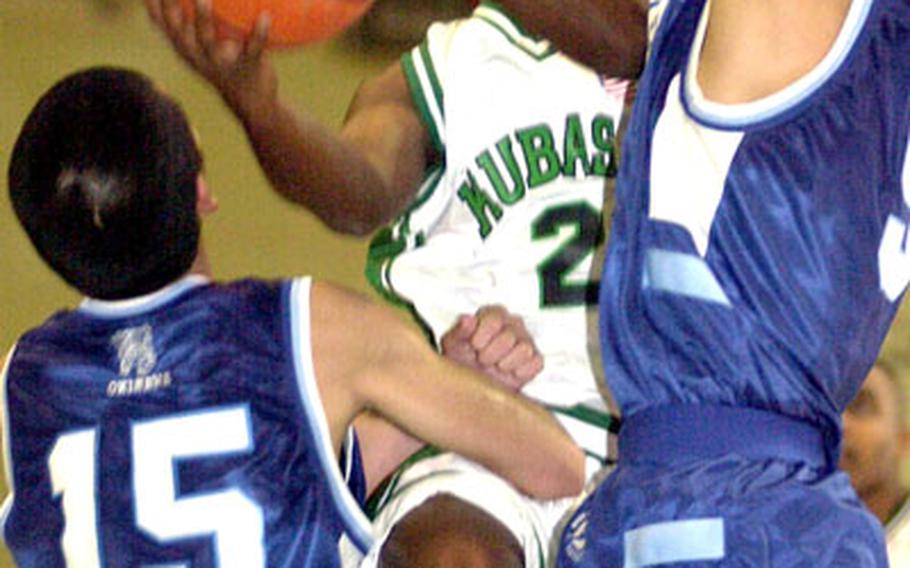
x: 366, y: 356
x: 610, y: 36
x: 353, y: 180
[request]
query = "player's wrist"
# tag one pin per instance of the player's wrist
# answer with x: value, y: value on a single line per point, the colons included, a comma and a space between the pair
x: 254, y: 107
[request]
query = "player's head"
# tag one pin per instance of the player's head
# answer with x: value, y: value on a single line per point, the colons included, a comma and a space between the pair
x: 875, y: 435
x: 103, y: 178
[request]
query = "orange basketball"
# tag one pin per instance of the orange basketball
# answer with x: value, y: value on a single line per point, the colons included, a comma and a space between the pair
x: 294, y: 22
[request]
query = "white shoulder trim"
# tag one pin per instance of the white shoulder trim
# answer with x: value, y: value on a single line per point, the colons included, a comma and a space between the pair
x: 7, y: 452
x: 358, y: 526
x: 493, y: 15
x: 905, y: 176
x: 424, y: 69
x: 744, y: 114
x: 133, y: 306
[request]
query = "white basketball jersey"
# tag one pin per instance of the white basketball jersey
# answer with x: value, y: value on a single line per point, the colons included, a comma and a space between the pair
x: 510, y: 213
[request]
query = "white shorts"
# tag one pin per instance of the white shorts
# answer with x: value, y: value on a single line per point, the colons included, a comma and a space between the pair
x: 536, y: 524
x: 533, y: 522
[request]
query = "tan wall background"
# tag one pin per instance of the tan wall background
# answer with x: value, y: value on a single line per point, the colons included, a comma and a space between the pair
x: 255, y: 233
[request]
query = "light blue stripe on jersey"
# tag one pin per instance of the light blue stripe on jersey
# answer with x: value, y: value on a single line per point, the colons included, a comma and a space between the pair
x: 681, y: 273
x: 693, y: 540
x: 356, y: 522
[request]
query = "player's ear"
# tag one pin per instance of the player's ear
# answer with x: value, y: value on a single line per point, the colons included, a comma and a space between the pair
x: 205, y: 200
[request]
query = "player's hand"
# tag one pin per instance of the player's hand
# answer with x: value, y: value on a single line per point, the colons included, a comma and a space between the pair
x: 495, y: 342
x: 236, y: 67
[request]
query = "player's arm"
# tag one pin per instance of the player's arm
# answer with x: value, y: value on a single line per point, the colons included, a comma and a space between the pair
x: 354, y: 180
x: 492, y: 341
x: 383, y: 447
x: 610, y: 36
x: 366, y: 357
x: 755, y: 49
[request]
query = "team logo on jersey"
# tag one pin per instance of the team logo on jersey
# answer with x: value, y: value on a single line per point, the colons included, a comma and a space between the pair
x: 136, y: 350
x: 137, y: 359
x: 575, y: 540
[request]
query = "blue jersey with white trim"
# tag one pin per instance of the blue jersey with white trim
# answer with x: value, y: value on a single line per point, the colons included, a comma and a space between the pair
x: 759, y: 251
x: 180, y: 429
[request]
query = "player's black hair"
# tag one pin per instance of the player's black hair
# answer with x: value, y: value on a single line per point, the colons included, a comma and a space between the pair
x: 103, y: 180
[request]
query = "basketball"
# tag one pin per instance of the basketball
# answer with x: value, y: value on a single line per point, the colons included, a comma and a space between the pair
x: 294, y: 22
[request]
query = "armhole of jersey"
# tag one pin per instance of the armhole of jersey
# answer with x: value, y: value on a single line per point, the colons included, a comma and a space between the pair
x: 298, y: 313
x: 354, y: 476
x: 426, y: 90
x: 395, y: 239
x: 7, y: 452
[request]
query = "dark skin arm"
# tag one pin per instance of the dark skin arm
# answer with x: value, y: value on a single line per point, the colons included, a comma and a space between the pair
x: 354, y: 180
x: 359, y: 178
x: 610, y: 36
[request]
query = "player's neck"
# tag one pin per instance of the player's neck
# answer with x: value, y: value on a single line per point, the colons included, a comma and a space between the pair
x: 884, y: 500
x: 755, y: 48
x: 201, y: 266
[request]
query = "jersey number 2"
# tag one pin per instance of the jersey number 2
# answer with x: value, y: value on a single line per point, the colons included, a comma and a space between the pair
x: 556, y: 288
x: 233, y: 520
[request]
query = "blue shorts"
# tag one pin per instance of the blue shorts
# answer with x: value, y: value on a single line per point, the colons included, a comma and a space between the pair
x: 710, y: 486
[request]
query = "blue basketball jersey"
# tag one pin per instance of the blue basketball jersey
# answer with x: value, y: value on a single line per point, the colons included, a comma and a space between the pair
x: 758, y: 254
x: 181, y: 429
x: 759, y: 251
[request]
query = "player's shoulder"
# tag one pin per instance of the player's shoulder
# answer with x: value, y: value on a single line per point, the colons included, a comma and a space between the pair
x: 489, y: 31
x: 359, y: 317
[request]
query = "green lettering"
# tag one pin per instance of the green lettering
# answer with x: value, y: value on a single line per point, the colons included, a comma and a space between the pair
x: 540, y: 154
x: 480, y: 204
x: 574, y: 147
x: 603, y: 135
x: 507, y: 195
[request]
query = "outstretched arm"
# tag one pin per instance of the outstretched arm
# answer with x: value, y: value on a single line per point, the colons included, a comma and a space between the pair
x: 353, y: 180
x: 366, y: 356
x: 610, y: 36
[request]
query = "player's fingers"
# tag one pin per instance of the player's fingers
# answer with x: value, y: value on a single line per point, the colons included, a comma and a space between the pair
x: 180, y: 30
x: 464, y: 327
x: 462, y: 354
x: 490, y: 321
x: 256, y: 45
x: 172, y: 16
x: 153, y: 8
x: 227, y: 53
x: 456, y: 344
x: 460, y: 351
x: 530, y: 369
x: 204, y: 27
x: 521, y: 353
x: 498, y: 348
